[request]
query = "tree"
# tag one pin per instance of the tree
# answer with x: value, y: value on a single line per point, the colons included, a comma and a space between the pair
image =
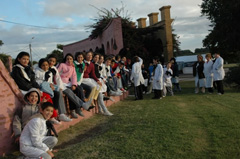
x: 225, y: 34
x: 1, y: 43
x: 58, y: 53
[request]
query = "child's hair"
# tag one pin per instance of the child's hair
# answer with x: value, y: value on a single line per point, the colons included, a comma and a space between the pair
x: 20, y: 55
x: 156, y: 58
x: 77, y: 54
x: 41, y: 61
x: 52, y: 56
x: 174, y: 60
x: 96, y: 54
x: 136, y: 59
x: 65, y: 58
x: 46, y: 104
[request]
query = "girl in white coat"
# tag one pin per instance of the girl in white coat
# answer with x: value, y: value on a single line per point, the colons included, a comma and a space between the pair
x: 157, y: 79
x: 218, y: 73
x: 137, y: 77
x: 208, y: 72
x: 33, y: 141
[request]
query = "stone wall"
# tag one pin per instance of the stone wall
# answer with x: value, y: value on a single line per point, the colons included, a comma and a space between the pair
x: 10, y: 99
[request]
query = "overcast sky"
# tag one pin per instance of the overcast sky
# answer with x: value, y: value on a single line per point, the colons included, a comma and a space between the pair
x: 73, y: 15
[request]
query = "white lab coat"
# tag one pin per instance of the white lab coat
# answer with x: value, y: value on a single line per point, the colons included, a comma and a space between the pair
x: 208, y: 73
x: 167, y: 78
x: 158, y: 78
x: 218, y: 71
x: 32, y: 137
x: 136, y: 74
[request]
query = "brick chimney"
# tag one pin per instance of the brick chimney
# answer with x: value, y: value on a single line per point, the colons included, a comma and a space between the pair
x: 153, y: 18
x: 165, y: 13
x: 142, y: 22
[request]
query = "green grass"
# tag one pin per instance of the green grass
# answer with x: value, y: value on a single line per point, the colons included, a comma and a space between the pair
x: 184, y: 126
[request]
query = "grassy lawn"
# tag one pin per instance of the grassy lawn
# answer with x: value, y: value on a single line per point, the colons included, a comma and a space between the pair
x: 184, y: 126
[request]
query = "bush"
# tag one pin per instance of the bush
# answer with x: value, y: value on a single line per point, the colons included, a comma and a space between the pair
x: 233, y: 77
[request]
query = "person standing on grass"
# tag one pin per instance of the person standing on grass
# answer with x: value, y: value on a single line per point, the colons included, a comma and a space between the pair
x: 175, y: 77
x: 167, y: 80
x: 199, y: 75
x: 208, y: 65
x: 33, y: 140
x: 218, y: 73
x: 137, y: 77
x: 157, y: 79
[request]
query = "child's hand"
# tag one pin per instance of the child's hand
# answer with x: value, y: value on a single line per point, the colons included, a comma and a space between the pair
x: 17, y: 140
x: 50, y: 153
x: 44, y: 99
x: 73, y: 87
x: 52, y: 87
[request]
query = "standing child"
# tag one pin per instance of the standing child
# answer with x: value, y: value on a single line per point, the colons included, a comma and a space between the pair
x: 33, y: 141
x: 157, y: 79
x: 137, y: 76
x: 167, y: 79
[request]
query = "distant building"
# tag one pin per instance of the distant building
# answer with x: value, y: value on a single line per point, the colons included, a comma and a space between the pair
x: 111, y: 40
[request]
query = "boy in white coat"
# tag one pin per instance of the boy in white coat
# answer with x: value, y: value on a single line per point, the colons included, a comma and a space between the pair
x: 137, y: 77
x: 157, y: 79
x: 218, y: 73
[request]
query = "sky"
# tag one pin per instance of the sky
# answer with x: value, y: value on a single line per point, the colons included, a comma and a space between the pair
x: 65, y: 22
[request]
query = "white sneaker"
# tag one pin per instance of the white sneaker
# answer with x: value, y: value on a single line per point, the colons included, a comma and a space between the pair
x: 107, y: 113
x: 111, y: 99
x: 63, y: 117
x: 55, y: 121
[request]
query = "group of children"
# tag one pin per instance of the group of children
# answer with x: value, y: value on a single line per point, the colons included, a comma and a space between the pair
x: 86, y: 80
x: 159, y: 79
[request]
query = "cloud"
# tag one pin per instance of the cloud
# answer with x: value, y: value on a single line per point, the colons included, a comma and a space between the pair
x: 74, y: 15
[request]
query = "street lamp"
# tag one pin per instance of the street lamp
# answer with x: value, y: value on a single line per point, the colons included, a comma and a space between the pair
x: 30, y: 48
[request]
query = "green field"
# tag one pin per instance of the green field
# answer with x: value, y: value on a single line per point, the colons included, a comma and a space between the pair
x: 184, y: 126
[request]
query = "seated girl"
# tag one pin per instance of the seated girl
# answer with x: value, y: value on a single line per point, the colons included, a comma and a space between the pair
x: 33, y: 141
x: 44, y: 78
x: 68, y: 76
x: 23, y: 74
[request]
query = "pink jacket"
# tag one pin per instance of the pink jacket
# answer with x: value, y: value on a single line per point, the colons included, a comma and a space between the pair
x: 67, y: 72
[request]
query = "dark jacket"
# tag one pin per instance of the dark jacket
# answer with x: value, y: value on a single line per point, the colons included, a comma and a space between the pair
x: 198, y: 69
x: 175, y: 69
x: 21, y: 81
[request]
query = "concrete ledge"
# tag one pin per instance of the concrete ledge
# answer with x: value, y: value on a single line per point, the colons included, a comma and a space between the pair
x: 66, y: 125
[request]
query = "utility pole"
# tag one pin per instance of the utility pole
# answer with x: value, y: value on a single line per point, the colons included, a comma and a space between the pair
x: 30, y: 49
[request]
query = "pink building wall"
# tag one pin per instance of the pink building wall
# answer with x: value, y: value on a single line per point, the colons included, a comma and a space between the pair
x: 10, y: 99
x: 111, y: 34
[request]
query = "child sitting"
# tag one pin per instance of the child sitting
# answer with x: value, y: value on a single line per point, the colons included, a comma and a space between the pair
x: 44, y: 78
x: 22, y: 115
x: 33, y: 141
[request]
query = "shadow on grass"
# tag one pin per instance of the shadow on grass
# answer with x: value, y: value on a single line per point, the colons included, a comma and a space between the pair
x: 91, y: 133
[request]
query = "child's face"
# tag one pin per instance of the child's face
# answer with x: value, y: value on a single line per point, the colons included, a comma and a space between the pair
x: 33, y: 98
x: 96, y: 58
x: 47, y: 112
x: 89, y: 56
x: 45, y: 66
x: 169, y: 65
x: 80, y: 58
x: 52, y: 61
x: 101, y: 59
x: 69, y: 59
x: 24, y: 61
x: 108, y: 63
x: 112, y: 64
